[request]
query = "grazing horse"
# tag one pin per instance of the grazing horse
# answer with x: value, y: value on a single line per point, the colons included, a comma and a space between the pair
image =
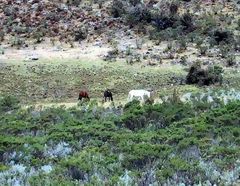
x: 108, y: 94
x: 141, y: 95
x: 83, y: 94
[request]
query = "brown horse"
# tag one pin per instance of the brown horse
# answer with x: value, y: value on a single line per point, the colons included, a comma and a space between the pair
x: 83, y: 94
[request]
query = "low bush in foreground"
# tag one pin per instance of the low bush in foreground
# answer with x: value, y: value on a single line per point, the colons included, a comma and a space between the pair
x: 170, y: 143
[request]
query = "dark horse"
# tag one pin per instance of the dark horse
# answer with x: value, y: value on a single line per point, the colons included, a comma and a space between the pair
x: 108, y: 94
x: 83, y: 94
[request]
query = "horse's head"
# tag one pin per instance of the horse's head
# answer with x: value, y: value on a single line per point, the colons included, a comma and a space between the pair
x: 152, y: 91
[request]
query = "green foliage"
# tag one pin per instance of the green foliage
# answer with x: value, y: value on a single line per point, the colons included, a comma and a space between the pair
x: 231, y: 60
x: 203, y: 49
x: 187, y: 142
x: 17, y: 41
x: 140, y: 155
x: 164, y: 174
x: 92, y: 159
x: 3, y: 167
x: 103, y: 148
x: 135, y: 104
x: 228, y: 153
x: 160, y: 116
x: 207, y: 23
x: 179, y: 164
x: 8, y: 103
x: 187, y: 21
x: 118, y: 8
x: 197, y: 75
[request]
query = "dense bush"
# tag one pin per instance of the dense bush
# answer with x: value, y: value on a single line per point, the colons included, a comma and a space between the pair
x: 138, y: 14
x: 74, y: 2
x: 162, y: 22
x: 187, y: 22
x: 8, y: 103
x: 118, y: 8
x: 81, y: 34
x: 177, y: 139
x: 222, y: 36
x: 197, y: 75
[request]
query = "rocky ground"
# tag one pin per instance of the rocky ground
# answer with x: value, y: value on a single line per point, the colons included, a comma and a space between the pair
x: 26, y: 24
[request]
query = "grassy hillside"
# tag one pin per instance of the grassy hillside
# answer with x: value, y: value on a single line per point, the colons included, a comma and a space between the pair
x: 62, y: 80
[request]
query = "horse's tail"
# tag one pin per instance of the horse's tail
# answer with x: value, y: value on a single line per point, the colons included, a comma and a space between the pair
x: 111, y: 98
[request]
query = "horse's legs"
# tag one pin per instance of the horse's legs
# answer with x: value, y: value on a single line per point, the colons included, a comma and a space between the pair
x: 105, y: 99
x: 80, y: 98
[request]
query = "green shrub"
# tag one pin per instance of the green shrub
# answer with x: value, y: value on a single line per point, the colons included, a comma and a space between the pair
x: 179, y: 164
x: 203, y: 49
x: 231, y: 60
x: 206, y: 24
x: 183, y: 44
x: 118, y: 8
x: 164, y: 174
x: 222, y: 36
x: 138, y: 14
x: 162, y: 136
x: 187, y: 142
x: 17, y: 42
x: 187, y: 22
x: 2, y: 34
x: 80, y: 33
x: 197, y: 75
x: 224, y: 51
x: 8, y: 103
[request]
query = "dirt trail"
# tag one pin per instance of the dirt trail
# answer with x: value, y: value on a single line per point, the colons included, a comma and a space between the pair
x: 45, y: 51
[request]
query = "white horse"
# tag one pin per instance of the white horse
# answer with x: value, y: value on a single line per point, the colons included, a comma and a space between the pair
x: 141, y: 95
